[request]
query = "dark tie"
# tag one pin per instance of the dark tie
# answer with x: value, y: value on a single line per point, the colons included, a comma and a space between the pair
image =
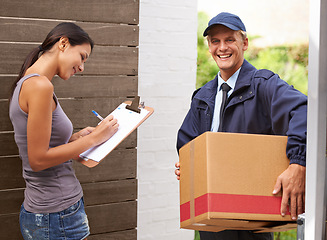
x: 225, y: 88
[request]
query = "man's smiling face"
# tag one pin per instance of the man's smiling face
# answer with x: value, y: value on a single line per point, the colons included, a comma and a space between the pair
x: 227, y: 49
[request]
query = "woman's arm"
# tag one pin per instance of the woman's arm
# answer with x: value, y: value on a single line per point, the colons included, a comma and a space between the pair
x: 38, y: 95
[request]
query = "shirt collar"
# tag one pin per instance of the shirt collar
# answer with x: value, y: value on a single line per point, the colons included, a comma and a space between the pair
x: 230, y: 81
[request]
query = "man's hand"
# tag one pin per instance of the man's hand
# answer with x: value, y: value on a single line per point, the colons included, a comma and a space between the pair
x: 177, y: 171
x: 292, y: 181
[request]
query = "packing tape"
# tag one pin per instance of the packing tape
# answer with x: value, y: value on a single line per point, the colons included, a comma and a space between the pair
x: 192, y: 208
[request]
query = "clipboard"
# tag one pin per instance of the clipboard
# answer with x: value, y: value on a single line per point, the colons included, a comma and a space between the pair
x: 130, y: 115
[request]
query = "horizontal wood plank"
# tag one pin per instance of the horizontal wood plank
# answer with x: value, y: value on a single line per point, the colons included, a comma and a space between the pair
x: 105, y: 60
x: 11, y: 173
x: 121, y: 235
x: 116, y: 166
x: 112, y: 34
x: 8, y: 146
x: 6, y: 82
x: 17, y: 30
x: 9, y: 227
x: 112, y: 217
x: 11, y: 200
x: 96, y: 87
x: 110, y: 192
x: 112, y: 61
x: 5, y: 123
x: 113, y: 11
x: 88, y: 86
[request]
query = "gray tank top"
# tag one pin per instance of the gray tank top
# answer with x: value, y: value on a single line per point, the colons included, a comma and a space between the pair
x: 53, y: 189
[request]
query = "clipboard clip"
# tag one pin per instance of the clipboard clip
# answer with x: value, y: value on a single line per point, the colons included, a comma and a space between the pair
x: 135, y: 105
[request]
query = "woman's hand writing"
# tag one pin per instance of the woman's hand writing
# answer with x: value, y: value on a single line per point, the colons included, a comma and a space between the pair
x: 105, y: 130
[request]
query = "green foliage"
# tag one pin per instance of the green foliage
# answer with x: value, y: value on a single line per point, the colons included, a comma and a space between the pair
x: 196, y: 235
x: 206, y: 66
x: 289, y: 235
x: 289, y: 62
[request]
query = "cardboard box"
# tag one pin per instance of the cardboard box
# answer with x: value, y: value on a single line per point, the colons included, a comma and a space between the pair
x: 227, y: 181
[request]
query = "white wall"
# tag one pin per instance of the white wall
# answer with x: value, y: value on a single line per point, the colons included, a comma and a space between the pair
x: 167, y: 74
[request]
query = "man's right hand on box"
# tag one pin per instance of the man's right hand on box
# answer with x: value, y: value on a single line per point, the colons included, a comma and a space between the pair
x: 292, y: 182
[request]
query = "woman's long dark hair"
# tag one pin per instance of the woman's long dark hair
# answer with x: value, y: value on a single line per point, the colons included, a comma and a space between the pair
x: 75, y: 35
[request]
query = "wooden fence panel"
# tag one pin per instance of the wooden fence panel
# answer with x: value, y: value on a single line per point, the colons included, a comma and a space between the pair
x: 110, y: 77
x: 9, y: 227
x: 112, y: 217
x: 110, y: 192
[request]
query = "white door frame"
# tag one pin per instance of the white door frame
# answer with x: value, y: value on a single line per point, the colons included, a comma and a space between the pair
x: 315, y: 215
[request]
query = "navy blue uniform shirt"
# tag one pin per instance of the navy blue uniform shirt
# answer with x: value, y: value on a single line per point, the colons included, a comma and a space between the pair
x: 261, y: 103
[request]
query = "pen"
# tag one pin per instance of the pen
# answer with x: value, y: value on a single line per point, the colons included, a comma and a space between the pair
x: 97, y: 115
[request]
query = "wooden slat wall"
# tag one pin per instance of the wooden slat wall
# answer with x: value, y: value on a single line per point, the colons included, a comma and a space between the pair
x: 110, y: 77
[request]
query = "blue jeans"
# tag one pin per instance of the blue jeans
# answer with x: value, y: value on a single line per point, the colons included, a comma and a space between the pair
x: 69, y: 224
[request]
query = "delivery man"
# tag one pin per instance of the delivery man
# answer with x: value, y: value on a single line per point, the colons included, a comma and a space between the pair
x: 258, y: 102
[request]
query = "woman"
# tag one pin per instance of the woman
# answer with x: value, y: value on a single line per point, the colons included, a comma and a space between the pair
x: 53, y: 207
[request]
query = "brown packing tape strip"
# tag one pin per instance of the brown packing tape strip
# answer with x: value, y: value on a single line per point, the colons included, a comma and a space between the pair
x: 192, y: 211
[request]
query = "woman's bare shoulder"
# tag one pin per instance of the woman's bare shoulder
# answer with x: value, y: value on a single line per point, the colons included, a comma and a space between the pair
x: 38, y: 83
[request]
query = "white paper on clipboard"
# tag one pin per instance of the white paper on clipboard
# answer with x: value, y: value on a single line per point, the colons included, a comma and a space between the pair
x: 127, y: 121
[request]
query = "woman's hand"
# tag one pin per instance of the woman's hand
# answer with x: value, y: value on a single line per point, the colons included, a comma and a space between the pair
x: 105, y: 130
x: 82, y: 133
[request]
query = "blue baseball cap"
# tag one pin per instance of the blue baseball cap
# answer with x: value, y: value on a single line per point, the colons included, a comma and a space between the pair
x: 227, y: 19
